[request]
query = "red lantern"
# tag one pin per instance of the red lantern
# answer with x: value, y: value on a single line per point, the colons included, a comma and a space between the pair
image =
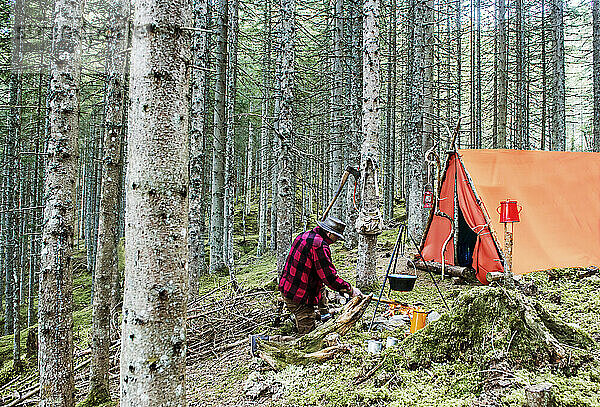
x: 428, y: 200
x: 509, y: 211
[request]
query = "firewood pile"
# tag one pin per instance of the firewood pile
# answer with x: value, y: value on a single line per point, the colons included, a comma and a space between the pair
x: 223, y: 318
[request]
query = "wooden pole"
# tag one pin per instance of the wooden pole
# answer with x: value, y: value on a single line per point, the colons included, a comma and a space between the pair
x: 508, y: 246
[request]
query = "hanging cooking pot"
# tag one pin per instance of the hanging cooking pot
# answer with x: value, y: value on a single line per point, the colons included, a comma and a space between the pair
x: 403, y: 282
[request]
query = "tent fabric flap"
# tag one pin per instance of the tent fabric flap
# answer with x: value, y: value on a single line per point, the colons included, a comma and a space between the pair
x: 485, y: 254
x: 440, y: 228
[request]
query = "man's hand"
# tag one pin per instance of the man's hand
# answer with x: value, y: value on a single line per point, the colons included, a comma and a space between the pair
x: 356, y: 292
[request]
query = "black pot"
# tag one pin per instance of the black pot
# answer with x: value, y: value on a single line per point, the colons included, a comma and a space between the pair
x: 402, y: 282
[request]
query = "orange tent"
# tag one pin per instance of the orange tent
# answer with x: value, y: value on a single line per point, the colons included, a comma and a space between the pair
x: 560, y: 219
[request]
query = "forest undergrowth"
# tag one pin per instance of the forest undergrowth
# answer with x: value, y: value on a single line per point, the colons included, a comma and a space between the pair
x: 475, y: 377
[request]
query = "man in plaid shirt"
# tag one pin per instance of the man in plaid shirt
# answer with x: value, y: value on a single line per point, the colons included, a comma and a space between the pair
x: 308, y: 270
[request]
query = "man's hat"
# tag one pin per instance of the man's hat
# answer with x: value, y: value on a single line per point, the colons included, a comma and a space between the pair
x: 333, y: 225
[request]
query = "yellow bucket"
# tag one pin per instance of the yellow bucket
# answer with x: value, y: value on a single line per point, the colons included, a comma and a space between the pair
x: 417, y: 320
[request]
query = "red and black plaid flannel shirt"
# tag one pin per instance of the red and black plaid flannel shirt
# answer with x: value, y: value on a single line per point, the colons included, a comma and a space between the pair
x: 308, y: 267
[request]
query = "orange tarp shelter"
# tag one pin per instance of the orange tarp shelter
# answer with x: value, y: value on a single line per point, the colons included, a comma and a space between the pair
x: 560, y: 219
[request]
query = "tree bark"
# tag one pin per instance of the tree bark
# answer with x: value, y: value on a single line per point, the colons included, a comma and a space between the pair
x: 264, y: 132
x: 415, y: 210
x: 544, y: 79
x: 108, y: 230
x: 198, y: 119
x: 354, y: 135
x: 14, y: 187
x: 285, y: 201
x: 367, y: 244
x: 520, y: 77
x: 558, y: 77
x: 56, y: 274
x: 217, y: 262
x: 153, y: 339
x: 230, y: 170
x: 337, y: 124
x: 596, y: 73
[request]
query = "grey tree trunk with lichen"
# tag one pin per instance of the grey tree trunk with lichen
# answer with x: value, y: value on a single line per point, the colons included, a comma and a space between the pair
x: 264, y: 134
x: 337, y: 105
x: 153, y: 338
x: 14, y: 216
x: 108, y: 231
x: 230, y: 170
x: 285, y: 133
x: 198, y: 115
x: 558, y: 78
x: 217, y: 220
x: 367, y: 244
x: 354, y: 134
x: 416, y: 74
x: 55, y: 307
x: 596, y: 74
x: 502, y: 74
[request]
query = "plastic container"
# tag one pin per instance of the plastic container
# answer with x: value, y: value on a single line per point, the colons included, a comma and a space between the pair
x: 391, y: 341
x: 374, y: 346
x: 402, y: 282
x: 417, y: 321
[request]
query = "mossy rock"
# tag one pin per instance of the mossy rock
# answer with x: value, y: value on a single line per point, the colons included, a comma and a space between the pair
x: 488, y: 324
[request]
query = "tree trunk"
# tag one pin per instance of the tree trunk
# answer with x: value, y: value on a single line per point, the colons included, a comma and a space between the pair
x: 427, y: 42
x: 108, y: 231
x: 217, y: 263
x: 153, y: 339
x: 502, y: 74
x: 230, y: 170
x: 520, y: 77
x: 354, y: 135
x: 337, y: 124
x: 56, y: 275
x: 544, y: 90
x: 264, y: 133
x: 367, y: 243
x: 415, y: 130
x: 596, y: 74
x: 285, y: 132
x: 558, y: 77
x: 13, y: 280
x: 198, y: 119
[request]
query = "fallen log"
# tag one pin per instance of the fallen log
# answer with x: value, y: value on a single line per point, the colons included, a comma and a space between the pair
x: 494, y: 276
x: 312, y: 346
x: 466, y: 273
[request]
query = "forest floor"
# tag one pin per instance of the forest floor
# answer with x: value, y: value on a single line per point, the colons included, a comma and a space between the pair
x: 233, y: 378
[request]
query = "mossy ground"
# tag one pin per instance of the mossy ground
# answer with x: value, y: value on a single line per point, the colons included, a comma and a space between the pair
x: 443, y: 381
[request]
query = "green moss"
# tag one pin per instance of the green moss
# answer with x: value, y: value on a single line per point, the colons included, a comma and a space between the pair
x: 97, y: 397
x: 484, y: 326
x: 581, y: 390
x: 258, y: 273
x: 8, y: 373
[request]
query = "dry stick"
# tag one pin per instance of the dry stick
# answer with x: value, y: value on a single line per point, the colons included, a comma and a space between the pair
x: 9, y: 383
x: 36, y: 388
x: 369, y: 374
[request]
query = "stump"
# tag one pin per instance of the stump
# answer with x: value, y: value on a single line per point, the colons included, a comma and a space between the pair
x: 491, y: 322
x: 540, y: 395
x: 312, y: 346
